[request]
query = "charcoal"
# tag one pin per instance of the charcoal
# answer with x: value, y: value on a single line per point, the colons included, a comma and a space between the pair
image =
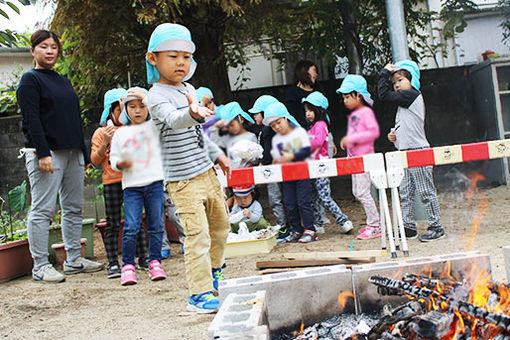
x: 432, y: 325
x: 389, y: 336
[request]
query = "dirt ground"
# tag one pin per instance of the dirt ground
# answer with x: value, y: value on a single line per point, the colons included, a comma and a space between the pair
x: 89, y: 306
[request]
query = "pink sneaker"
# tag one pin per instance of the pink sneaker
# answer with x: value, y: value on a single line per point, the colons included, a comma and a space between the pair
x: 370, y: 233
x: 362, y: 230
x: 127, y: 275
x: 156, y: 272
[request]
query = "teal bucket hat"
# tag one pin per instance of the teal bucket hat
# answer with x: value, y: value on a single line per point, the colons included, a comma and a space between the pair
x: 170, y: 37
x: 203, y: 90
x: 124, y: 116
x: 262, y: 103
x: 110, y: 97
x: 317, y: 99
x: 275, y: 111
x: 411, y: 67
x: 231, y: 110
x: 354, y: 82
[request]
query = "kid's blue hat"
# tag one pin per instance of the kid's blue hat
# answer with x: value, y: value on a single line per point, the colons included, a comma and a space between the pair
x: 203, y: 90
x: 231, y: 110
x: 275, y: 111
x: 124, y: 116
x: 170, y: 37
x: 354, y: 82
x: 110, y: 97
x: 316, y: 98
x: 262, y: 103
x: 411, y: 67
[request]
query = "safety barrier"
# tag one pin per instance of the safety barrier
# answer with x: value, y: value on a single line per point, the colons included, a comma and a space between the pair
x: 386, y: 171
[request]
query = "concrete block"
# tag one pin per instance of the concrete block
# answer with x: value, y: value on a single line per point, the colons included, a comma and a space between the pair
x: 241, y: 316
x: 309, y: 295
x: 460, y: 266
x: 506, y: 258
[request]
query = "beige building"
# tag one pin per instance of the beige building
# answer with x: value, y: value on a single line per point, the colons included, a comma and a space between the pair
x: 11, y: 60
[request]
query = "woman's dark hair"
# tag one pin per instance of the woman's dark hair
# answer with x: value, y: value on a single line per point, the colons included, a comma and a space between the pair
x: 301, y: 74
x: 321, y: 114
x: 40, y: 35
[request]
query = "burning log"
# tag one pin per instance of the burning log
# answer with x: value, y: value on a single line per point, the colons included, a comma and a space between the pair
x: 391, y: 286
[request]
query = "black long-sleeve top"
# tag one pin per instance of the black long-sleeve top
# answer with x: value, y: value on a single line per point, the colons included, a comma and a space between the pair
x: 51, y: 113
x: 266, y: 137
x: 293, y: 103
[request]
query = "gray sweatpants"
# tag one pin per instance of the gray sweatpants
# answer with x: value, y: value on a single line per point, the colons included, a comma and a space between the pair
x: 274, y: 195
x: 171, y: 211
x: 67, y: 182
x: 419, y: 180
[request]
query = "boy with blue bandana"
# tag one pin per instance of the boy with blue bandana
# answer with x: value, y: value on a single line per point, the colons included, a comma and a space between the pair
x: 409, y: 134
x: 187, y: 161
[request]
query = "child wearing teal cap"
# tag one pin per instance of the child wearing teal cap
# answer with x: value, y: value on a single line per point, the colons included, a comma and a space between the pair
x: 205, y: 98
x: 231, y: 129
x: 315, y: 106
x: 400, y: 84
x: 362, y: 131
x: 188, y: 159
x: 291, y: 144
x: 112, y: 182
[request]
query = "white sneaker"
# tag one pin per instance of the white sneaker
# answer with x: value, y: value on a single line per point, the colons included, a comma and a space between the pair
x: 48, y: 274
x: 346, y: 227
x: 82, y: 265
x: 319, y: 230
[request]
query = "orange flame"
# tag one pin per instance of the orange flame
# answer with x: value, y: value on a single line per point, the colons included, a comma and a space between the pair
x: 343, y: 296
x: 481, y: 210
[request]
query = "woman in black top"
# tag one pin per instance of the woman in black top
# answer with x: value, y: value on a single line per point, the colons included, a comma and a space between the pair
x: 55, y: 158
x: 305, y: 74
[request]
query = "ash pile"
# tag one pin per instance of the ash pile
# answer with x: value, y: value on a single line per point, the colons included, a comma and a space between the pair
x: 438, y: 308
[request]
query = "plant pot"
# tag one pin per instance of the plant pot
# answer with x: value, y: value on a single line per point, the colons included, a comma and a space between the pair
x: 15, y: 260
x: 87, y: 230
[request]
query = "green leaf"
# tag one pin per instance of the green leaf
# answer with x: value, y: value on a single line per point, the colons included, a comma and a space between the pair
x: 4, y: 14
x: 13, y: 6
x: 18, y: 197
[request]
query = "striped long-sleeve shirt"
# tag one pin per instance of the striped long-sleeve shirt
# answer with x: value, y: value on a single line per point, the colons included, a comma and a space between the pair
x: 185, y: 149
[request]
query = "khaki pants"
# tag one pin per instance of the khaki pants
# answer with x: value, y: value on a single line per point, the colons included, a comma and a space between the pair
x: 203, y: 213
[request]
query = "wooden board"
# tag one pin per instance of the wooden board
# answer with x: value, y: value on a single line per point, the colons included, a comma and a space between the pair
x: 309, y: 263
x: 331, y: 255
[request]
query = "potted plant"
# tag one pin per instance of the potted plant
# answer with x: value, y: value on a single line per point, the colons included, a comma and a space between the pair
x: 15, y: 258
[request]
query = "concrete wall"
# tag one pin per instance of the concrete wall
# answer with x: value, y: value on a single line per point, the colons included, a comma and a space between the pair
x: 11, y: 60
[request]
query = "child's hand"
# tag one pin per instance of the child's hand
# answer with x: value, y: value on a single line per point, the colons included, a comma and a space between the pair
x: 286, y: 157
x: 124, y: 164
x: 389, y: 67
x: 246, y: 213
x: 138, y: 93
x: 219, y: 124
x: 196, y: 111
x: 107, y: 135
x: 224, y: 163
x: 344, y: 143
x: 392, y: 137
x: 335, y: 150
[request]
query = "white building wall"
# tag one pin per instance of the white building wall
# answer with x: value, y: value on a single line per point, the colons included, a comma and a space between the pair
x: 10, y: 62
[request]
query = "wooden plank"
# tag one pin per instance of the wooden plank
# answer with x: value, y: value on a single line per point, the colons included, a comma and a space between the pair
x: 308, y: 263
x: 330, y: 255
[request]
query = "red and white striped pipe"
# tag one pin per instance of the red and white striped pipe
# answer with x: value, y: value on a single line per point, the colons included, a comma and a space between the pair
x: 448, y: 154
x: 306, y: 170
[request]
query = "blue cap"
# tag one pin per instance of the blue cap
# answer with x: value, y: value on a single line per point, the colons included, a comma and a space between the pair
x: 318, y: 99
x: 275, y: 111
x: 203, y: 90
x: 231, y: 110
x: 354, y: 82
x: 411, y: 67
x: 110, y: 97
x: 170, y: 37
x: 262, y: 103
x: 124, y: 116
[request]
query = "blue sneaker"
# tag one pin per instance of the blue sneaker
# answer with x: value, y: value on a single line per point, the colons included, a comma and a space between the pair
x: 217, y: 276
x: 203, y: 303
x: 165, y: 254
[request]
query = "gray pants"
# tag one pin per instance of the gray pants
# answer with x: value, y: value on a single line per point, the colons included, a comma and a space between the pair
x: 419, y: 181
x: 171, y: 211
x: 67, y: 182
x: 274, y: 196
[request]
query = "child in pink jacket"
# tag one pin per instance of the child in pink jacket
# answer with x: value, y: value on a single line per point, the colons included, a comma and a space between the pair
x: 362, y: 131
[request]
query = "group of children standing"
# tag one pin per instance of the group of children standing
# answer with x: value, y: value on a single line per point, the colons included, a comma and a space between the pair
x: 170, y: 138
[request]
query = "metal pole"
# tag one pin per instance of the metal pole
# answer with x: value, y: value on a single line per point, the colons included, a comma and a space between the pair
x: 397, y: 28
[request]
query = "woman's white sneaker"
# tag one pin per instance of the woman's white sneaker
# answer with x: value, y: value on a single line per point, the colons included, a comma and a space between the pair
x: 82, y: 265
x: 48, y: 274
